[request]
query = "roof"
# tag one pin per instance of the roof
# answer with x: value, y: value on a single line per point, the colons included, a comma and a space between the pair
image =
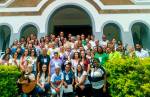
x: 113, y: 6
x: 117, y: 2
x: 25, y: 3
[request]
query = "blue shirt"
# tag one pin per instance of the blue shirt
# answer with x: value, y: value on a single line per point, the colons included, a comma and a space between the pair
x: 68, y: 77
x: 56, y: 79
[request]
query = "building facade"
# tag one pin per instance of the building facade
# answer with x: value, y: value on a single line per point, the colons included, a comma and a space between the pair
x: 125, y: 20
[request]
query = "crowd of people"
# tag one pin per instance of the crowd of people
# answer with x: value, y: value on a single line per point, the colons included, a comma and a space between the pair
x: 67, y: 66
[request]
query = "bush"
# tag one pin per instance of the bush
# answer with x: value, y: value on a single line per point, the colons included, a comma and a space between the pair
x: 8, y: 78
x: 129, y: 77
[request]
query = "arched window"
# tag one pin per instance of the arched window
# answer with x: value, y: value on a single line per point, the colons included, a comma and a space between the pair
x: 141, y: 34
x: 112, y: 30
x: 5, y: 33
x: 27, y: 30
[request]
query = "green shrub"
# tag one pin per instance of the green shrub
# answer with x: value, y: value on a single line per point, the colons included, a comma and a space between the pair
x: 129, y: 77
x: 8, y: 78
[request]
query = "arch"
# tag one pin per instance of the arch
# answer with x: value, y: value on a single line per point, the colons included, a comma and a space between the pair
x: 90, y: 10
x: 70, y: 19
x: 138, y: 21
x: 141, y: 33
x: 116, y: 27
x: 5, y: 33
x: 31, y: 27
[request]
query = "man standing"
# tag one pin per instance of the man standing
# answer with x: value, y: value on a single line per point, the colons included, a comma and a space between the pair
x: 43, y: 59
x: 141, y: 53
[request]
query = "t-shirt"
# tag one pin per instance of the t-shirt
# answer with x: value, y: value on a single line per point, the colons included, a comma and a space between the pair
x: 56, y: 79
x: 97, y: 78
x: 83, y: 42
x: 53, y: 63
x: 43, y: 60
x: 43, y: 79
x: 79, y: 78
x: 92, y: 43
x: 74, y: 64
x: 85, y: 64
x: 102, y: 57
x: 142, y: 54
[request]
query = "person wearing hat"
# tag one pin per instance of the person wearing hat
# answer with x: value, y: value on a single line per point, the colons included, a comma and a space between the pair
x: 56, y: 82
x: 98, y: 79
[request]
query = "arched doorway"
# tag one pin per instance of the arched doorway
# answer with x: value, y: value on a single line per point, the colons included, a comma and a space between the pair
x: 112, y: 30
x: 70, y: 19
x: 27, y: 30
x: 5, y: 33
x: 141, y: 34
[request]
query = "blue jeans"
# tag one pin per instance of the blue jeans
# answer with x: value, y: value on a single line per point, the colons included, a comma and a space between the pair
x: 39, y: 90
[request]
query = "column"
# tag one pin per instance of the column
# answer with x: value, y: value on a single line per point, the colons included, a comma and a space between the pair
x: 41, y: 35
x: 98, y: 35
x: 127, y: 38
x: 13, y: 37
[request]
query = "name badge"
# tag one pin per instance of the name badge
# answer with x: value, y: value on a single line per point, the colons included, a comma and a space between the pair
x: 45, y: 60
x: 100, y: 59
x: 67, y: 77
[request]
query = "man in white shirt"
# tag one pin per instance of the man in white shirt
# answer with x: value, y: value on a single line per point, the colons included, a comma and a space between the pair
x: 141, y: 53
x: 104, y: 41
x: 92, y: 41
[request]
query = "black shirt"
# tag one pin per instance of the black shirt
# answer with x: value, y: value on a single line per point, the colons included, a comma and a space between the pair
x: 43, y: 60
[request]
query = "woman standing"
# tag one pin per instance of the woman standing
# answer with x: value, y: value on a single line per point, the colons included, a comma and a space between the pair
x: 15, y: 60
x: 101, y: 55
x: 98, y: 79
x: 6, y: 60
x: 24, y: 61
x: 85, y: 62
x: 33, y: 59
x: 75, y: 61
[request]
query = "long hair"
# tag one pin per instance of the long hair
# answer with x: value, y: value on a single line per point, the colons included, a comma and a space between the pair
x: 46, y: 73
x: 78, y: 55
x: 84, y: 55
x: 4, y: 57
x: 9, y: 50
x: 81, y: 69
x: 101, y: 49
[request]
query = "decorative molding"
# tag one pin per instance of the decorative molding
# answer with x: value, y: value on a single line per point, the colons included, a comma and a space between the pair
x: 7, y: 3
x: 98, y: 2
x: 99, y: 6
x: 141, y: 2
x: 121, y: 7
x: 25, y: 9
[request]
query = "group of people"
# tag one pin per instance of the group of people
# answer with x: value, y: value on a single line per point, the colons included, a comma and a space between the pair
x: 66, y: 66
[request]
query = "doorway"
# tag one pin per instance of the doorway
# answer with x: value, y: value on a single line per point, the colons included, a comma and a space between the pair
x: 70, y: 19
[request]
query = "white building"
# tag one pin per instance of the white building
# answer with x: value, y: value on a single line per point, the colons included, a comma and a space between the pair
x: 126, y: 20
